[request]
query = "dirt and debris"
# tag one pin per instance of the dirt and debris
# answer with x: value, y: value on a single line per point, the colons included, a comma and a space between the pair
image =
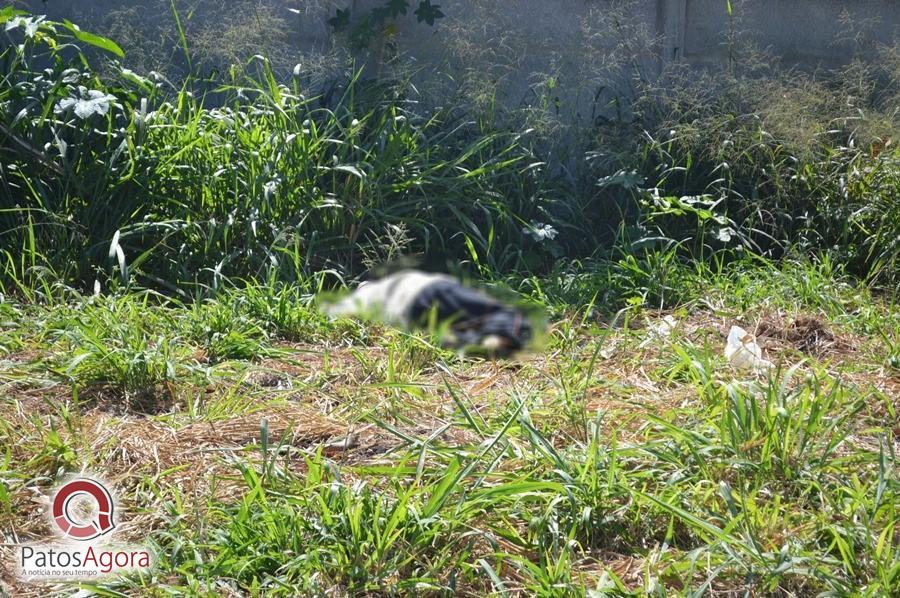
x: 807, y: 334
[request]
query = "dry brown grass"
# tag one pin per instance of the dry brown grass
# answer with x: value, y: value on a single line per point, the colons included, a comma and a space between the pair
x: 333, y: 402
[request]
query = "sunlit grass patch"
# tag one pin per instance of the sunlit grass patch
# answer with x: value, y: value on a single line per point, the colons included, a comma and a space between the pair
x: 263, y: 448
x: 627, y: 454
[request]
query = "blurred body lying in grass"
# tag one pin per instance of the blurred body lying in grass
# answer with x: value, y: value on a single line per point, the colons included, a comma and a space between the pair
x: 467, y: 318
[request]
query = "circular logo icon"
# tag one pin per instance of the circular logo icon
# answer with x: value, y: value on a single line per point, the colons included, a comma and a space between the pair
x: 102, y: 509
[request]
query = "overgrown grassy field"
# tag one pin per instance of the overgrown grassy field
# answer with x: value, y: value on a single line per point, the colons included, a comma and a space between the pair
x: 262, y: 449
x: 162, y: 246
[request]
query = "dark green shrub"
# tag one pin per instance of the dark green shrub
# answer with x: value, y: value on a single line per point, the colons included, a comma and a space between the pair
x: 128, y: 182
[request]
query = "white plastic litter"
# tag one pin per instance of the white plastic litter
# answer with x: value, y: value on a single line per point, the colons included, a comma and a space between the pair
x: 742, y: 351
x: 664, y: 327
x: 659, y: 330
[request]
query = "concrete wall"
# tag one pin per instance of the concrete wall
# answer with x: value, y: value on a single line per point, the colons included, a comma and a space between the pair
x: 515, y: 44
x: 593, y: 50
x: 809, y: 33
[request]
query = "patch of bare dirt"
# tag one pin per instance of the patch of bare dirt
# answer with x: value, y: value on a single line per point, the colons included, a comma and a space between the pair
x: 807, y: 334
x: 154, y: 400
x: 24, y: 356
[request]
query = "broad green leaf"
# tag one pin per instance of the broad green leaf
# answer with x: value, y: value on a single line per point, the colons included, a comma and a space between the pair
x: 93, y: 39
x: 8, y: 12
x: 428, y: 12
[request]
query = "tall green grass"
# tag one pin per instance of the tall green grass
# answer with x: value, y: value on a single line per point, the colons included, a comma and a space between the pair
x: 155, y: 188
x: 131, y: 180
x: 776, y: 163
x: 687, y: 476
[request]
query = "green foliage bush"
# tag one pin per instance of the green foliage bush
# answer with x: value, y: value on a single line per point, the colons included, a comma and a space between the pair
x: 127, y: 179
x: 788, y: 162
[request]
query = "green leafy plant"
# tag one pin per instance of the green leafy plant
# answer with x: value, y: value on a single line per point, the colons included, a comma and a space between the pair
x: 378, y: 20
x: 183, y: 197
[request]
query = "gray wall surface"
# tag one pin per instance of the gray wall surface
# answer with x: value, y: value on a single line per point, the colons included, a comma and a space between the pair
x: 811, y: 33
x: 801, y: 31
x: 519, y: 51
